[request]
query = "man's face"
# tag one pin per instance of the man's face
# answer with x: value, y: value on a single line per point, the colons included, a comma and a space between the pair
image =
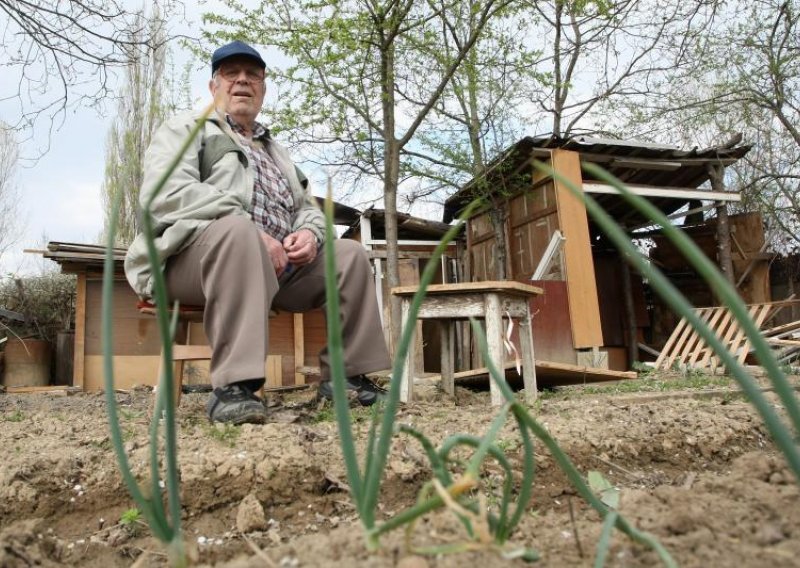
x: 238, y: 87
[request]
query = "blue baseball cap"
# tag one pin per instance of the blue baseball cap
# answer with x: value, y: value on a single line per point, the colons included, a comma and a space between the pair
x: 232, y: 49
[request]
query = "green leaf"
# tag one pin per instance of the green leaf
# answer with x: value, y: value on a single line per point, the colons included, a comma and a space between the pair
x: 605, y: 490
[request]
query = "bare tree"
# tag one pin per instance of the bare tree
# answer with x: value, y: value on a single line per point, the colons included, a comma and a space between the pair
x: 9, y: 195
x: 348, y: 77
x: 478, y: 116
x: 599, y: 52
x: 60, y: 55
x: 742, y: 76
x: 140, y: 110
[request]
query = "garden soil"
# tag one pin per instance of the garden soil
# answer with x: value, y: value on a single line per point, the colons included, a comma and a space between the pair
x: 699, y: 473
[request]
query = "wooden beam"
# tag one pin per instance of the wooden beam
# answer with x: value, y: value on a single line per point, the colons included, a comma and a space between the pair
x: 673, y: 192
x: 273, y: 371
x: 543, y: 367
x: 645, y: 164
x: 54, y: 389
x: 80, y: 331
x: 403, y: 254
x: 595, y: 158
x: 584, y: 306
x: 299, y: 349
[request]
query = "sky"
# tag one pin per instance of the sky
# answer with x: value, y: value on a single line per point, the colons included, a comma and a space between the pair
x: 60, y: 192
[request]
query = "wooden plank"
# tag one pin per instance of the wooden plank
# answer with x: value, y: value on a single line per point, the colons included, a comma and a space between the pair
x: 299, y: 349
x: 79, y: 370
x: 407, y: 379
x: 56, y: 389
x: 666, y: 352
x: 139, y: 370
x: 760, y: 316
x: 677, y: 349
x: 506, y: 286
x: 738, y: 340
x: 729, y: 326
x: 273, y: 371
x: 776, y: 341
x: 494, y: 341
x: 714, y: 322
x: 190, y: 352
x: 129, y: 371
x: 695, y: 344
x: 782, y: 329
x: 553, y: 368
x: 584, y: 305
x: 447, y: 331
x: 664, y: 191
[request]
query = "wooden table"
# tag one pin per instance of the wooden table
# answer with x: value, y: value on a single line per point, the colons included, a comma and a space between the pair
x: 490, y: 301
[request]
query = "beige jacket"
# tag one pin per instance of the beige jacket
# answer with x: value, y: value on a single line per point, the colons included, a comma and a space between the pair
x: 212, y: 180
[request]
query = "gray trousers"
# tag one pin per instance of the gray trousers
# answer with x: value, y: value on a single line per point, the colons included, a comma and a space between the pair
x: 227, y: 269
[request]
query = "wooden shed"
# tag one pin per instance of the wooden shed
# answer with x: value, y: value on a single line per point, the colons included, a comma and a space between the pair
x: 595, y: 311
x: 295, y: 339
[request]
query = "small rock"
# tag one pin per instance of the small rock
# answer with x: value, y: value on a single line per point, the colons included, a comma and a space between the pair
x: 413, y: 562
x: 769, y: 534
x: 777, y: 478
x: 250, y: 516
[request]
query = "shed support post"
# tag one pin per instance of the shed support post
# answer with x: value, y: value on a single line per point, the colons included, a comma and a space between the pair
x: 630, y: 312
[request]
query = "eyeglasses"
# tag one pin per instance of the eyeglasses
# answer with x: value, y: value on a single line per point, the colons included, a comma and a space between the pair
x: 233, y: 72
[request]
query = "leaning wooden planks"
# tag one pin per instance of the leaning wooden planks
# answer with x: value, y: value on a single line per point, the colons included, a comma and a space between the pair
x: 686, y: 349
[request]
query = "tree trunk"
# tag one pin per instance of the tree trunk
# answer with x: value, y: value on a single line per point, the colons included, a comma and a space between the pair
x: 498, y: 216
x: 723, y: 226
x: 391, y: 167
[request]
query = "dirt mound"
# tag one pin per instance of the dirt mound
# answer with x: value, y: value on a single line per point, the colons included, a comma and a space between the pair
x: 699, y: 474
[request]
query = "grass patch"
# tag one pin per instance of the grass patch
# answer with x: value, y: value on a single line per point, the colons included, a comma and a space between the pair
x: 694, y: 381
x: 327, y: 413
x: 224, y: 433
x: 15, y: 416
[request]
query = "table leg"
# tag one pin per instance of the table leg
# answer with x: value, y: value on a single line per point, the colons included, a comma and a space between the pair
x: 447, y: 331
x: 494, y: 339
x: 528, y: 360
x: 407, y: 382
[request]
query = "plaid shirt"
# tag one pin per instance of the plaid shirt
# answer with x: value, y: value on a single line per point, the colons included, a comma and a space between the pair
x: 272, y: 207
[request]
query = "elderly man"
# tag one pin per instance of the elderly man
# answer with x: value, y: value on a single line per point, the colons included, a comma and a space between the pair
x: 238, y: 232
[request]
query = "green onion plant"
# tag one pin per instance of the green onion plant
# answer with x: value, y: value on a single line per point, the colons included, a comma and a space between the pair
x: 459, y: 492
x: 164, y: 523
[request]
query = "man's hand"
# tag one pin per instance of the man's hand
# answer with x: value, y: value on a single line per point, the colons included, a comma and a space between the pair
x: 276, y: 253
x: 300, y: 247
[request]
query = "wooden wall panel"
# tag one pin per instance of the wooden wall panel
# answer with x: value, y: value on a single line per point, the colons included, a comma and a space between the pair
x: 480, y: 227
x: 142, y: 370
x: 483, y: 257
x: 316, y: 336
x: 528, y: 243
x: 581, y: 287
x: 129, y: 371
x: 134, y: 333
x: 552, y: 338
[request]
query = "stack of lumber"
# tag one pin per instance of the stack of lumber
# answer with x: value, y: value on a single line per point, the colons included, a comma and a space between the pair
x: 685, y: 349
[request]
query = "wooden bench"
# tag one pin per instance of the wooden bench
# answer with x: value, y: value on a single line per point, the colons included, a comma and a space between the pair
x: 182, y: 352
x: 490, y: 301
